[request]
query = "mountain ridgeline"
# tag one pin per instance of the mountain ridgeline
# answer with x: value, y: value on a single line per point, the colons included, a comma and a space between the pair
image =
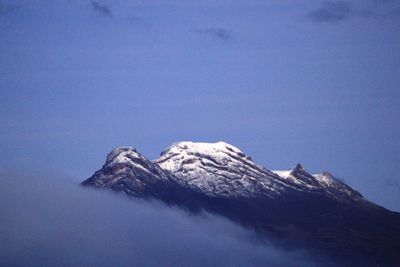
x: 293, y: 207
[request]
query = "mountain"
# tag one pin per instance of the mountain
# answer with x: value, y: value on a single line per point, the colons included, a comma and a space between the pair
x: 128, y: 171
x: 293, y: 207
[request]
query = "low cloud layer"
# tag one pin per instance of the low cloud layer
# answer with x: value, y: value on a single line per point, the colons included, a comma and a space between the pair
x: 51, y: 222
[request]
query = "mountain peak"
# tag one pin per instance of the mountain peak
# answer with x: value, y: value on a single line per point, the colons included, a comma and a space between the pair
x: 299, y: 170
x: 216, y: 169
x: 128, y: 170
x: 122, y: 155
x: 201, y: 147
x: 298, y: 167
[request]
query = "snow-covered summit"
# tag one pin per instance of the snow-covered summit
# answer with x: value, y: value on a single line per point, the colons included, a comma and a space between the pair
x: 202, y: 147
x: 177, y: 154
x: 126, y: 167
x: 221, y: 169
x: 122, y: 155
x: 218, y: 169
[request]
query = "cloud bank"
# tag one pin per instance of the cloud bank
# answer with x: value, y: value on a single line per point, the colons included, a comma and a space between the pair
x: 53, y: 222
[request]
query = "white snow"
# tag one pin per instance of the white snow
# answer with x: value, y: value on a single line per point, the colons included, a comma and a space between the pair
x: 287, y: 175
x: 325, y: 178
x: 283, y: 174
x: 217, y: 169
x: 215, y: 149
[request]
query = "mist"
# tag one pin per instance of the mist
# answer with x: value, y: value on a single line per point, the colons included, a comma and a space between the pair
x: 51, y: 221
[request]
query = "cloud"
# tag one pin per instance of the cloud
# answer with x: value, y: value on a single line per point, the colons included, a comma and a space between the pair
x: 335, y: 11
x: 101, y: 9
x: 54, y: 222
x: 331, y: 11
x: 216, y: 32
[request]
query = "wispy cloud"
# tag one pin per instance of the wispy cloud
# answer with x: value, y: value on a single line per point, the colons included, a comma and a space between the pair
x: 101, y: 9
x: 216, y: 32
x: 336, y: 11
x: 331, y: 12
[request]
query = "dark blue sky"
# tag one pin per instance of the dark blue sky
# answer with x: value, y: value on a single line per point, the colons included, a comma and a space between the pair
x: 315, y: 82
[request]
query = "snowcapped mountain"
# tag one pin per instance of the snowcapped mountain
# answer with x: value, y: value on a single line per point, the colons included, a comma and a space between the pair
x: 214, y: 169
x: 220, y: 169
x: 316, y: 209
x: 129, y: 171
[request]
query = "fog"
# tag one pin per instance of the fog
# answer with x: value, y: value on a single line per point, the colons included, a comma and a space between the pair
x: 55, y: 222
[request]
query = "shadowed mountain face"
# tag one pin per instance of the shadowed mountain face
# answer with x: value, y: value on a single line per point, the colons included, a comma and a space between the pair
x: 294, y: 207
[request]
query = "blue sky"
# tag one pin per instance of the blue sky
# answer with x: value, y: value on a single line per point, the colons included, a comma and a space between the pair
x: 315, y: 82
